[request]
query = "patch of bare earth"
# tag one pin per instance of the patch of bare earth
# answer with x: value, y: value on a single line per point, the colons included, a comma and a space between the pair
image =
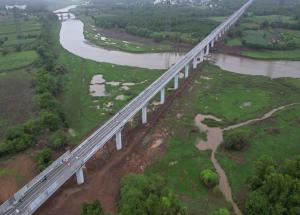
x: 18, y: 171
x: 103, y: 173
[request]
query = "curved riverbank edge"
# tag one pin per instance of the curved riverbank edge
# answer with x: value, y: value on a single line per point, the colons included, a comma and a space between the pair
x: 215, y: 139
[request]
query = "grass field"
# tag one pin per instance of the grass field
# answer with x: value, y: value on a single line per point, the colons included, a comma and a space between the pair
x: 222, y: 95
x: 16, y: 103
x: 273, y: 54
x: 282, y: 144
x: 17, y: 60
x: 271, y: 18
x: 268, y: 43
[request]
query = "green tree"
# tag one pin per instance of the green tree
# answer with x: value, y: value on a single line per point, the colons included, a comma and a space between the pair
x: 93, y: 208
x: 221, y: 211
x: 141, y: 194
x: 236, y: 140
x: 58, y: 140
x: 44, y: 159
x: 50, y: 120
x: 209, y: 178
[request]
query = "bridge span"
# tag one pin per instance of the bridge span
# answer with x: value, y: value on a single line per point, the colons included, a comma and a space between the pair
x: 27, y: 200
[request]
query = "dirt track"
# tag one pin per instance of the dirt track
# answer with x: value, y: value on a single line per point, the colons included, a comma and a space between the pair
x: 105, y: 170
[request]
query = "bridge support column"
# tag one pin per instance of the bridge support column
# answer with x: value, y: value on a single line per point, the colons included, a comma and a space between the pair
x: 144, y: 114
x: 162, y: 96
x: 119, y: 140
x: 80, y: 176
x: 207, y: 49
x: 195, y: 63
x: 213, y: 43
x: 186, y: 71
x: 176, y: 80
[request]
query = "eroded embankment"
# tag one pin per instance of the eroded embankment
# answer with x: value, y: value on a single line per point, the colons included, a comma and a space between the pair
x: 214, y: 140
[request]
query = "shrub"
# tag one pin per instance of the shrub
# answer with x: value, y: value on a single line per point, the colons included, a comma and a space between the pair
x: 236, y: 140
x: 50, y: 120
x: 44, y: 159
x: 209, y: 178
x: 141, y: 194
x: 221, y: 211
x: 93, y: 208
x: 58, y: 140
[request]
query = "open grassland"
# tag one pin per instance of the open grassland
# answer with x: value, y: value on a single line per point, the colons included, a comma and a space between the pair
x: 273, y: 54
x: 268, y: 37
x: 271, y: 18
x: 221, y: 94
x: 277, y: 137
x: 17, y: 60
x: 16, y: 103
x: 85, y: 112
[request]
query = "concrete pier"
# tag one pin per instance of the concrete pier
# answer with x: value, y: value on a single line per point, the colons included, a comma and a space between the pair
x: 213, y: 43
x: 144, y: 115
x: 119, y: 140
x: 207, y: 50
x: 162, y: 96
x: 176, y: 80
x: 80, y: 176
x: 186, y: 71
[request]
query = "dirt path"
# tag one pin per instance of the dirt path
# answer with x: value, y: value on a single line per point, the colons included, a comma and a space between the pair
x: 215, y: 138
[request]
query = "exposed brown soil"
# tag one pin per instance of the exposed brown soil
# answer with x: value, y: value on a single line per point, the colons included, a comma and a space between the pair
x: 231, y: 50
x: 16, y: 103
x: 123, y: 36
x: 104, y: 171
x: 20, y: 170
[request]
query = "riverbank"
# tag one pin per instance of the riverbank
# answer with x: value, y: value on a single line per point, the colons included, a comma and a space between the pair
x: 116, y: 40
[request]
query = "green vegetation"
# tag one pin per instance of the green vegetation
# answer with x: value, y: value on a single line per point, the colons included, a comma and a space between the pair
x: 209, y: 177
x: 17, y: 60
x: 159, y: 23
x: 91, y: 33
x: 237, y: 140
x: 221, y: 211
x: 142, y: 194
x: 269, y: 33
x: 274, y: 190
x: 273, y: 55
x: 93, y: 208
x: 224, y: 95
x: 277, y: 137
x: 44, y: 159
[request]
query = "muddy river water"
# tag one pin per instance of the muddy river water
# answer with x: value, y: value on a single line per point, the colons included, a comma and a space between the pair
x: 72, y: 39
x: 214, y: 139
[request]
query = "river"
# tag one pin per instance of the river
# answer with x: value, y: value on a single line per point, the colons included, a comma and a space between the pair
x: 72, y: 39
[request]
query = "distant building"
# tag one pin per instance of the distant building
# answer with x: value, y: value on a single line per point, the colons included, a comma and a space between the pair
x: 20, y: 7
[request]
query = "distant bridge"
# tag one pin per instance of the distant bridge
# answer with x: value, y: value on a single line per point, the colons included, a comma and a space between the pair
x: 63, y: 15
x: 27, y: 200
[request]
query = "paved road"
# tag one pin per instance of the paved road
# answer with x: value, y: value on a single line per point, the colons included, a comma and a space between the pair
x: 44, y: 188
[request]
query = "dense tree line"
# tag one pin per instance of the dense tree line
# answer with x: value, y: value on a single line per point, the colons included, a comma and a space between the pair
x: 47, y: 82
x: 172, y: 23
x: 142, y: 194
x: 274, y: 188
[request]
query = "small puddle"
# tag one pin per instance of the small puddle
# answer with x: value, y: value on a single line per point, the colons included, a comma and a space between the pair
x: 97, y: 86
x: 215, y: 138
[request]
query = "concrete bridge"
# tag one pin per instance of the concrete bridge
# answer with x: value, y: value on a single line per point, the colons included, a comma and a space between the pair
x: 27, y: 200
x: 63, y: 15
